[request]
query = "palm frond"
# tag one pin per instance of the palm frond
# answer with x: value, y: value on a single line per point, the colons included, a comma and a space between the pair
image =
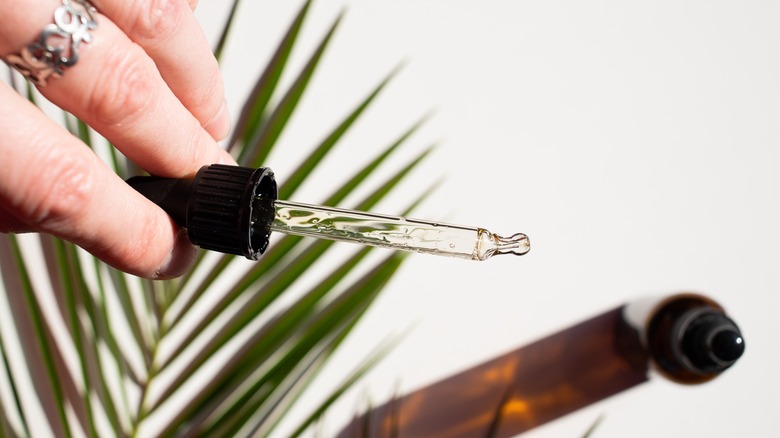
x: 8, y: 381
x: 252, y: 115
x: 297, y: 176
x: 253, y: 120
x: 264, y: 296
x: 226, y: 30
x: 140, y: 347
x: 282, y: 248
x: 592, y: 429
x: 44, y: 348
x: 261, y: 144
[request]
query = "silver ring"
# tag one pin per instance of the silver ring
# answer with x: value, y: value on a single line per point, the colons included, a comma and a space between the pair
x: 57, y: 47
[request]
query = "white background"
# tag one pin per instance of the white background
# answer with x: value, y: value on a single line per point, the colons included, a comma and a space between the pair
x: 635, y: 142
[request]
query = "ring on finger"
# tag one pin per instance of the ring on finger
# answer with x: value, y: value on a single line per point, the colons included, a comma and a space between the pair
x: 57, y: 46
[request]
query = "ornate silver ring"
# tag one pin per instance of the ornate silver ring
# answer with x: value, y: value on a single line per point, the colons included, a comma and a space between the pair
x: 57, y: 47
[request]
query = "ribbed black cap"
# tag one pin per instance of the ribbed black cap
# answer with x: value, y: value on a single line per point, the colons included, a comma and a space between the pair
x: 218, y: 206
x: 712, y: 342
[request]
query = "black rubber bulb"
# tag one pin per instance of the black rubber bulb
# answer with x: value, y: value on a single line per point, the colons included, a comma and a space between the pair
x: 712, y: 342
x: 728, y: 345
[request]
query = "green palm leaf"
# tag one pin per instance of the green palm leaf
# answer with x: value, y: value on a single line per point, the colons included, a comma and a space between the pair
x: 261, y: 299
x: 295, y: 179
x: 226, y: 31
x: 260, y: 145
x: 253, y: 114
x: 277, y: 252
x: 138, y: 343
x: 43, y: 339
x: 8, y: 382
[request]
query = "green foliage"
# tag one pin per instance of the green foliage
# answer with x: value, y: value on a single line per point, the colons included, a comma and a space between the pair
x: 132, y: 347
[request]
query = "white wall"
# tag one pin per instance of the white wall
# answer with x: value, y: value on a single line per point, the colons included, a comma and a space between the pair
x: 635, y: 142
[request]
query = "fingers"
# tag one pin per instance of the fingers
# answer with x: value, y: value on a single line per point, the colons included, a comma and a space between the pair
x: 158, y: 98
x: 118, y: 90
x: 169, y: 33
x: 50, y: 182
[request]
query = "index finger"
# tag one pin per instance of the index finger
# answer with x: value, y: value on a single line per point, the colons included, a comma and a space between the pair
x: 169, y: 33
x: 51, y: 182
x: 116, y: 88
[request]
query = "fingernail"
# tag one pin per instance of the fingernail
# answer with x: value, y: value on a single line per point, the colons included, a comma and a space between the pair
x: 226, y: 158
x: 179, y: 260
x: 219, y: 126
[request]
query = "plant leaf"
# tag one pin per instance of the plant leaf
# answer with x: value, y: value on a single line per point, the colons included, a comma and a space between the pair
x: 373, y: 284
x: 265, y: 343
x: 278, y: 284
x: 256, y: 151
x: 294, y: 180
x: 365, y: 205
x: 498, y: 413
x: 301, y: 309
x: 72, y: 284
x: 360, y: 176
x: 284, y: 246
x: 8, y: 376
x: 105, y: 331
x: 295, y: 316
x: 263, y: 379
x: 128, y: 308
x: 226, y: 31
x: 254, y: 110
x: 43, y: 340
x: 351, y: 379
x: 594, y: 426
x: 91, y: 358
x: 252, y: 118
x: 262, y: 412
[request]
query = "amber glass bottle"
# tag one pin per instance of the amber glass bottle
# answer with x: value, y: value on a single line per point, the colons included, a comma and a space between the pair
x: 686, y: 337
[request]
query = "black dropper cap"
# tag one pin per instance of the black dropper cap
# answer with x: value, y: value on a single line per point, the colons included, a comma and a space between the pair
x: 692, y: 340
x: 711, y: 341
x: 218, y: 207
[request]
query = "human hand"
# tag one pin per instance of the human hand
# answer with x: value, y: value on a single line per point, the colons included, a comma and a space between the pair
x: 146, y: 80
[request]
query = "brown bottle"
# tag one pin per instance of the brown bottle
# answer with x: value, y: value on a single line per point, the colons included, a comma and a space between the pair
x: 687, y: 337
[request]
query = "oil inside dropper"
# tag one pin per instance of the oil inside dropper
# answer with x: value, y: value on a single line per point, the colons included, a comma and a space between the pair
x: 393, y: 232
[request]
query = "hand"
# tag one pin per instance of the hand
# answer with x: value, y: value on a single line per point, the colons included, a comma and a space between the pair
x: 147, y: 81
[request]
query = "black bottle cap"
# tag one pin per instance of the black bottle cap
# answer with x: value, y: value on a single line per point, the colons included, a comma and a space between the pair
x: 217, y: 207
x: 691, y: 340
x: 712, y: 342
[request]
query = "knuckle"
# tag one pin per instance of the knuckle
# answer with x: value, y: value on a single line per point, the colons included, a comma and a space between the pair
x: 69, y: 191
x: 209, y: 96
x: 125, y: 89
x: 195, y: 150
x: 155, y: 19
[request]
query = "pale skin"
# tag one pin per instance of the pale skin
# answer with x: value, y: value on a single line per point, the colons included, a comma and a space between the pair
x: 149, y: 83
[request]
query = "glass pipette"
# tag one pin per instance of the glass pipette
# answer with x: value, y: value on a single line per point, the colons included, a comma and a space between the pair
x: 393, y: 232
x: 234, y: 209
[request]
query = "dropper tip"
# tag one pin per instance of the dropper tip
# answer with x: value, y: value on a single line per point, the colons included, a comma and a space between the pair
x: 519, y: 244
x: 516, y: 244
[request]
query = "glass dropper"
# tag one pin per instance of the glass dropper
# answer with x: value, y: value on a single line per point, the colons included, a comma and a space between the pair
x: 393, y: 232
x: 234, y: 209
